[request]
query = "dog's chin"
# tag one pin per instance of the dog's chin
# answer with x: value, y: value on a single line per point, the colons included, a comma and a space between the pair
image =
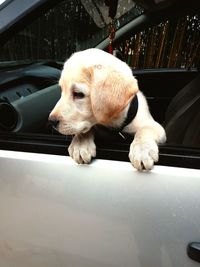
x: 72, y: 131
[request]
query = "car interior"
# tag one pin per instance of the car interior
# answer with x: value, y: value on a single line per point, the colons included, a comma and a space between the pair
x: 29, y: 89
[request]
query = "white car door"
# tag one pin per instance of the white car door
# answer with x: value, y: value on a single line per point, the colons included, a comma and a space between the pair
x: 57, y: 213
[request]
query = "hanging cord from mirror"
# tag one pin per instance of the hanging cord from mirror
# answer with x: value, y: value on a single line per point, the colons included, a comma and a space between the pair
x: 112, y: 4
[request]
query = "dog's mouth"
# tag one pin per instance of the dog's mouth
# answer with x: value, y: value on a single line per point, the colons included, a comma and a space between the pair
x: 66, y: 129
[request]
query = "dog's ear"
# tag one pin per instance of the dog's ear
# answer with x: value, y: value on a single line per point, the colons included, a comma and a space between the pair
x: 111, y: 92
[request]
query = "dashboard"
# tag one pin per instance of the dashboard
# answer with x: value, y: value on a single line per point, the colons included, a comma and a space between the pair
x: 28, y: 92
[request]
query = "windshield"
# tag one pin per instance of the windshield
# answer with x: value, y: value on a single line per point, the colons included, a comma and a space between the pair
x: 68, y: 27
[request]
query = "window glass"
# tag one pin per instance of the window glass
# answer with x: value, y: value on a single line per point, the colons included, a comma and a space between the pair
x: 171, y: 44
x: 70, y: 26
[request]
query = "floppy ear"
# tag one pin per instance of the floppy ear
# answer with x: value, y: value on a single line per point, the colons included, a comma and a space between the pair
x: 111, y: 92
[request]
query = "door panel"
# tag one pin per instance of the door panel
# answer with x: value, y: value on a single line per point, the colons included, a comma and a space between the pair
x: 55, y: 212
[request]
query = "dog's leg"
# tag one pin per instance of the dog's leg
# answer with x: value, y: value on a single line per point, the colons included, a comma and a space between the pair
x: 144, y: 148
x: 82, y: 147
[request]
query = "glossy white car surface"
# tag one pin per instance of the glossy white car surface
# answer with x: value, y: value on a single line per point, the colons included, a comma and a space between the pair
x: 54, y: 212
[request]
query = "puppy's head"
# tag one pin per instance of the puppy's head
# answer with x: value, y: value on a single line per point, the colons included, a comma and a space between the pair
x: 73, y: 113
x: 91, y: 95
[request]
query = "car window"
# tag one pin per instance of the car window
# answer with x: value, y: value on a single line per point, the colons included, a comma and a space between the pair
x: 68, y: 27
x: 174, y: 43
x: 32, y: 59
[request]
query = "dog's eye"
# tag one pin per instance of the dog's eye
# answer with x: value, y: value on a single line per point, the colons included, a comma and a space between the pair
x: 78, y: 95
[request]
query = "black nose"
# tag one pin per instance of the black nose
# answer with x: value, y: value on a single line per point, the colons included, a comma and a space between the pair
x: 54, y: 122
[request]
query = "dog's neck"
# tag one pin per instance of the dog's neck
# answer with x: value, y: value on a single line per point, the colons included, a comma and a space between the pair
x: 131, y: 113
x: 126, y: 116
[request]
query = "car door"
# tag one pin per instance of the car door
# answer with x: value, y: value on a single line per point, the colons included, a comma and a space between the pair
x: 54, y: 212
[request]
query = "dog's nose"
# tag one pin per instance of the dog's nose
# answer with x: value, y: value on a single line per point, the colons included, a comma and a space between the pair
x: 53, y: 121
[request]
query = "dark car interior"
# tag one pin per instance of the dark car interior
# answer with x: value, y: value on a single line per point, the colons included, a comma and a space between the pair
x: 29, y: 90
x: 27, y: 93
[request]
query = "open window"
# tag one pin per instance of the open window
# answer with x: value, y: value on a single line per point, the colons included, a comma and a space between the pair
x: 160, y: 47
x: 32, y: 58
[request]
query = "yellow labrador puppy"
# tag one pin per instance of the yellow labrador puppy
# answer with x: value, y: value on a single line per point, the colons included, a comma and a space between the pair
x: 98, y: 88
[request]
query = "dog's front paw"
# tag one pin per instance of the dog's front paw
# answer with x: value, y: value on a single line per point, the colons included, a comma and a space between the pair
x: 82, y: 148
x: 143, y: 155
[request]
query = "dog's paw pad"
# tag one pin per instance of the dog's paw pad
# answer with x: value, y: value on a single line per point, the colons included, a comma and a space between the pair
x: 143, y: 155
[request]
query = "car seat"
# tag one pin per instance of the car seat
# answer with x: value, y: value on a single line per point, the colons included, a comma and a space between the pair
x: 182, y: 122
x: 192, y: 135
